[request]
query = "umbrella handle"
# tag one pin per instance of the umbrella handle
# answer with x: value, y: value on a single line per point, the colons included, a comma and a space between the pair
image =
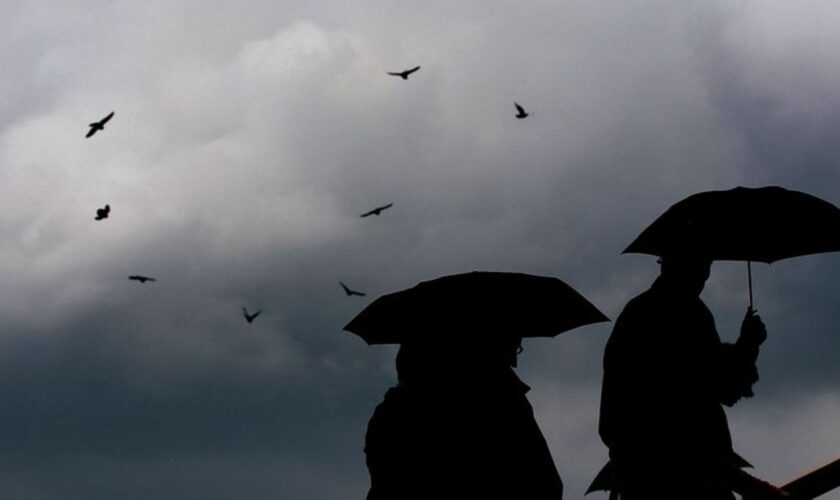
x: 749, y: 281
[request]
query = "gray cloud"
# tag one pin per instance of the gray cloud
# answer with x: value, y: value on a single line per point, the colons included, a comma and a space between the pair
x: 247, y: 140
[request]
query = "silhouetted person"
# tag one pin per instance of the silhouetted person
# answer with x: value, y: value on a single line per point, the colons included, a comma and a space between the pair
x: 377, y: 210
x: 404, y: 74
x: 250, y: 317
x: 102, y: 213
x: 141, y: 279
x: 520, y: 111
x: 666, y: 376
x: 458, y: 426
x: 100, y: 125
x: 349, y: 292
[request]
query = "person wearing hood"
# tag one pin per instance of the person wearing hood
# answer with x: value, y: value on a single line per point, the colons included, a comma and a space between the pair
x: 458, y: 425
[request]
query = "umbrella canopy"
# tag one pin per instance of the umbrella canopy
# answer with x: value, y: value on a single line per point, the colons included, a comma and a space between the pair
x: 752, y: 224
x: 473, y: 306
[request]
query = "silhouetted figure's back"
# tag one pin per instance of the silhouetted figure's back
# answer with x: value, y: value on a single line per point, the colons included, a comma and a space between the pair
x: 666, y: 375
x: 458, y: 426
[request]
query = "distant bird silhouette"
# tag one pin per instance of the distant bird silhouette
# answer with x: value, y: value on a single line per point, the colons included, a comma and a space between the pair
x: 377, y: 210
x: 100, y: 125
x: 404, y: 74
x: 520, y: 111
x: 350, y: 292
x: 141, y: 279
x: 102, y: 213
x: 250, y: 317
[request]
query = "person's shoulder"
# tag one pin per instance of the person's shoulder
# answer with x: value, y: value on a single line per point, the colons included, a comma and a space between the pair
x: 395, y: 397
x: 393, y: 407
x: 638, y: 321
x: 640, y: 304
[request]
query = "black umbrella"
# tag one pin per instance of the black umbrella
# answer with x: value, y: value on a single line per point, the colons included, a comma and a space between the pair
x: 474, y: 305
x: 752, y: 224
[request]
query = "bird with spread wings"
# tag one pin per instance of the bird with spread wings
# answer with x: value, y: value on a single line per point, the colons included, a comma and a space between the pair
x: 404, y: 74
x: 141, y: 279
x: 350, y: 292
x: 250, y: 317
x: 102, y: 213
x: 377, y: 210
x: 97, y: 126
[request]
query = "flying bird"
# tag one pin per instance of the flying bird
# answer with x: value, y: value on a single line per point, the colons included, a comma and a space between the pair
x: 100, y: 125
x: 520, y: 111
x: 404, y: 74
x: 377, y: 210
x: 250, y: 317
x: 102, y: 213
x: 350, y: 292
x: 141, y: 279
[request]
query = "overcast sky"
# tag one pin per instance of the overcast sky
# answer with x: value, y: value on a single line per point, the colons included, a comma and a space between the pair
x: 249, y: 136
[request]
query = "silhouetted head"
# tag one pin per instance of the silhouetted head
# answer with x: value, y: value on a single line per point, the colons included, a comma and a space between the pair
x: 433, y: 363
x: 685, y: 272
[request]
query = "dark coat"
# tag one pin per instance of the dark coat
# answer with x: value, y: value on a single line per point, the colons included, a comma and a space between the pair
x: 460, y: 442
x: 666, y: 376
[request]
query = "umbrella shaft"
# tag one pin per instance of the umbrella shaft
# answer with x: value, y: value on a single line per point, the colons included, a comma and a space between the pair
x: 749, y: 281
